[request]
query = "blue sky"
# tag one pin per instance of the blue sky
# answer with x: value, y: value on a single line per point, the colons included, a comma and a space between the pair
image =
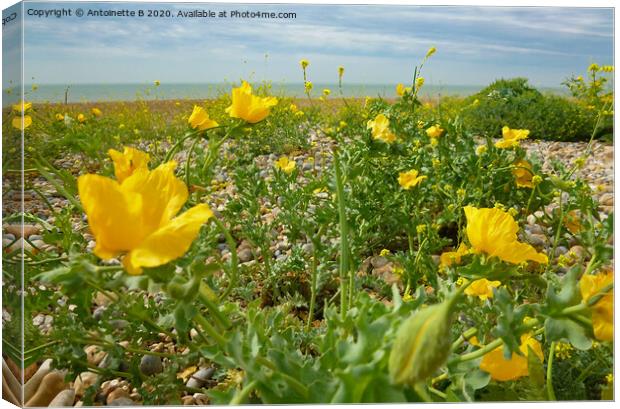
x: 376, y: 44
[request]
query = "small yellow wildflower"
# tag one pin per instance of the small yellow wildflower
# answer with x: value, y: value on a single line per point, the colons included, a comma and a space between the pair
x: 249, y: 107
x: 449, y: 258
x: 285, y: 165
x: 609, y: 378
x: 385, y: 253
x: 511, y: 137
x: 340, y: 71
x: 157, y: 83
x: 434, y: 142
x: 483, y: 288
x: 522, y: 172
x: 430, y: 51
x: 81, y: 118
x: 481, y: 149
x: 199, y: 119
x: 409, y: 179
x: 420, y: 228
x: 594, y: 67
x: 96, y: 112
x: 308, y: 87
x: 381, y: 129
x: 536, y: 180
x: 436, y: 162
x: 304, y: 64
x: 60, y: 117
x: 434, y: 131
x: 563, y: 350
x: 419, y: 82
x: 327, y: 91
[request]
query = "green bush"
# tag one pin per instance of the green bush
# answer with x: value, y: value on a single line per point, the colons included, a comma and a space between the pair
x: 516, y: 104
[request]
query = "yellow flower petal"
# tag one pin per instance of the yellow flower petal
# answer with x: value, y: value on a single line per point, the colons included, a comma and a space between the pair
x: 169, y: 242
x: 249, y: 107
x: 409, y: 179
x: 199, y: 119
x: 163, y: 194
x: 482, y: 288
x: 17, y: 122
x: 494, y: 232
x: 516, y: 367
x: 511, y: 137
x: 523, y: 173
x: 434, y: 131
x: 602, y: 311
x: 113, y: 215
x: 381, y: 129
x: 127, y: 162
x: 22, y: 107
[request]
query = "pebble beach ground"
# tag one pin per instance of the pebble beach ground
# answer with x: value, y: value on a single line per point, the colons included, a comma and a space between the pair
x: 598, y: 171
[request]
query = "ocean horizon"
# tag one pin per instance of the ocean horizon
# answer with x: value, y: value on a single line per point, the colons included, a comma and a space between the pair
x: 83, y: 93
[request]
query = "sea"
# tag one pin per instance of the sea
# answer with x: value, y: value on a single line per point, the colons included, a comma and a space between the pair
x: 77, y: 93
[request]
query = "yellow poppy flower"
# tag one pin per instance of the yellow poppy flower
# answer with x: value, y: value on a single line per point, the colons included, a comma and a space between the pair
x: 494, y: 232
x: 517, y: 366
x: 60, y: 117
x: 127, y: 162
x: 249, y: 107
x: 96, y: 112
x: 482, y: 288
x: 199, y: 119
x: 285, y: 165
x: 81, y: 118
x: 410, y: 179
x: 17, y: 122
x: 523, y: 173
x: 136, y: 217
x: 381, y: 129
x: 511, y: 137
x: 22, y: 106
x: 449, y: 258
x: 434, y: 131
x: 603, y: 310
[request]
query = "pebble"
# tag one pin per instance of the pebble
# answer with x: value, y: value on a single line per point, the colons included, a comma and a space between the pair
x: 245, y: 255
x: 94, y: 355
x: 123, y: 401
x: 201, y: 399
x: 98, y: 313
x: 64, y: 398
x: 84, y: 381
x: 117, y: 394
x: 150, y: 365
x: 378, y: 261
x: 50, y: 386
x: 200, y: 378
x: 188, y: 400
x: 33, y: 383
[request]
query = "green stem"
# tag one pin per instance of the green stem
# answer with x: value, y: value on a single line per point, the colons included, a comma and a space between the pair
x: 312, y: 287
x: 210, y: 330
x: 234, y: 261
x: 188, y: 161
x: 344, y: 237
x: 243, y: 394
x: 550, y: 391
x: 464, y: 337
x: 203, y: 294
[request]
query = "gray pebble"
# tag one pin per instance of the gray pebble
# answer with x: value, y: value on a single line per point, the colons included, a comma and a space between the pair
x: 199, y: 378
x: 150, y: 365
x: 245, y: 255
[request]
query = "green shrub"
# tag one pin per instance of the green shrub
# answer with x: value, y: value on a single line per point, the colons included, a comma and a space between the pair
x: 518, y: 105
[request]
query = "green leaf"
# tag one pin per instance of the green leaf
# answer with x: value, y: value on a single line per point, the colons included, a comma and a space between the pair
x: 557, y: 329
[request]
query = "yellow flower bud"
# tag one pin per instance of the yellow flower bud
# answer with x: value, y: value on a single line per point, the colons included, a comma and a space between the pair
x: 422, y: 344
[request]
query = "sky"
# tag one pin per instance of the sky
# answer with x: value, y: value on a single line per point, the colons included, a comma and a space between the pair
x: 375, y: 44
